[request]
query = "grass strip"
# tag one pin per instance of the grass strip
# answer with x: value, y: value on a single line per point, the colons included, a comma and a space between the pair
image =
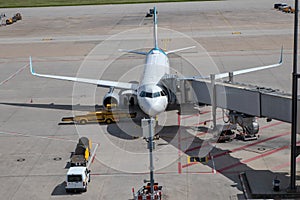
x: 47, y: 3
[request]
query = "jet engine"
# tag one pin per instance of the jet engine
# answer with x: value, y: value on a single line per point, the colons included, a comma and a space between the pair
x: 121, y: 98
x: 111, y: 98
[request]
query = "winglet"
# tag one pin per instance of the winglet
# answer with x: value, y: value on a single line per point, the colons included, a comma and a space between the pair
x: 31, y: 68
x: 280, y: 60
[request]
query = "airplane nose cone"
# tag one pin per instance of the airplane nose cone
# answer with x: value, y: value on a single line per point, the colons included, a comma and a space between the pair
x: 153, y: 107
x: 153, y: 111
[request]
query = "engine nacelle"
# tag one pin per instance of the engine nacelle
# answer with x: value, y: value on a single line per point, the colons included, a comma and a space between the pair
x: 111, y: 98
x: 128, y: 97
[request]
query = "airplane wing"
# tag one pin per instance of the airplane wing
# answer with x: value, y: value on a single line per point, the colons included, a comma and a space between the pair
x: 243, y: 71
x: 101, y: 83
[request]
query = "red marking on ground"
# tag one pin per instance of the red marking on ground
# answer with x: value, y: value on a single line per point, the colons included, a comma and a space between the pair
x: 179, y: 168
x: 249, y: 145
x: 237, y: 149
x: 13, y: 75
x: 287, y: 164
x: 243, y: 147
x: 270, y: 125
x: 189, y: 164
x: 190, y: 116
x: 253, y: 158
x: 197, y: 172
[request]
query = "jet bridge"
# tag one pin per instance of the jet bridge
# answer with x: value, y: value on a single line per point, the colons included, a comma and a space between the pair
x: 241, y: 100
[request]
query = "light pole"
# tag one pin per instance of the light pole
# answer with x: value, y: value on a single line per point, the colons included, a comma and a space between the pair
x: 294, y: 152
x: 148, y: 126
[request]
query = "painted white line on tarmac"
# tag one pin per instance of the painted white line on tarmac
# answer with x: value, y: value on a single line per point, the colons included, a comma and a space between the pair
x: 93, y: 156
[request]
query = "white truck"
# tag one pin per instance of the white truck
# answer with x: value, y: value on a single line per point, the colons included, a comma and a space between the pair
x: 77, y: 179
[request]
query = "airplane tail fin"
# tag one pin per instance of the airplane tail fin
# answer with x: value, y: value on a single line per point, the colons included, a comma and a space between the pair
x: 154, y: 12
x: 155, y: 28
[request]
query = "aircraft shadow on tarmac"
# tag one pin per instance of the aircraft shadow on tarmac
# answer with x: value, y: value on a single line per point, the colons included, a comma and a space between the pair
x: 112, y: 129
x: 53, y: 106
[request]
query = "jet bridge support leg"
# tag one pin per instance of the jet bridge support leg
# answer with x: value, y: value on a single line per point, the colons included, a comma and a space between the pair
x: 213, y: 100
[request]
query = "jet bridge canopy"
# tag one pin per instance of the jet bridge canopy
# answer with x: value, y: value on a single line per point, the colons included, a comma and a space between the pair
x: 247, y: 99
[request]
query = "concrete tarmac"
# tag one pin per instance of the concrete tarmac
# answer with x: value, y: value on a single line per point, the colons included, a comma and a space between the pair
x: 83, y: 41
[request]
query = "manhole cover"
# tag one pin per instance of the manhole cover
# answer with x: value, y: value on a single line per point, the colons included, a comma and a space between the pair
x: 57, y: 158
x: 21, y: 159
x: 261, y: 149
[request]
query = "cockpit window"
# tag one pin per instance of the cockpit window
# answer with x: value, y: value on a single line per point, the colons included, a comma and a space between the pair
x: 148, y: 94
x: 162, y: 93
x: 156, y: 94
x: 152, y: 95
x: 143, y: 94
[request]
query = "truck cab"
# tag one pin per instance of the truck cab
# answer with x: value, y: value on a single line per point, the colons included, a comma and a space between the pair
x: 77, y: 179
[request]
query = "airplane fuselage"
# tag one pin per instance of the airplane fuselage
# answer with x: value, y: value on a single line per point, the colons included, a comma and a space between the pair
x: 151, y: 98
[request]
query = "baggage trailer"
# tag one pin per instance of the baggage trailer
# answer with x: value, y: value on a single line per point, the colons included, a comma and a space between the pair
x: 82, y: 152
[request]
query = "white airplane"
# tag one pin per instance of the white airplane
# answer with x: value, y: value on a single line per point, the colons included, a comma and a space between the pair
x: 151, y: 97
